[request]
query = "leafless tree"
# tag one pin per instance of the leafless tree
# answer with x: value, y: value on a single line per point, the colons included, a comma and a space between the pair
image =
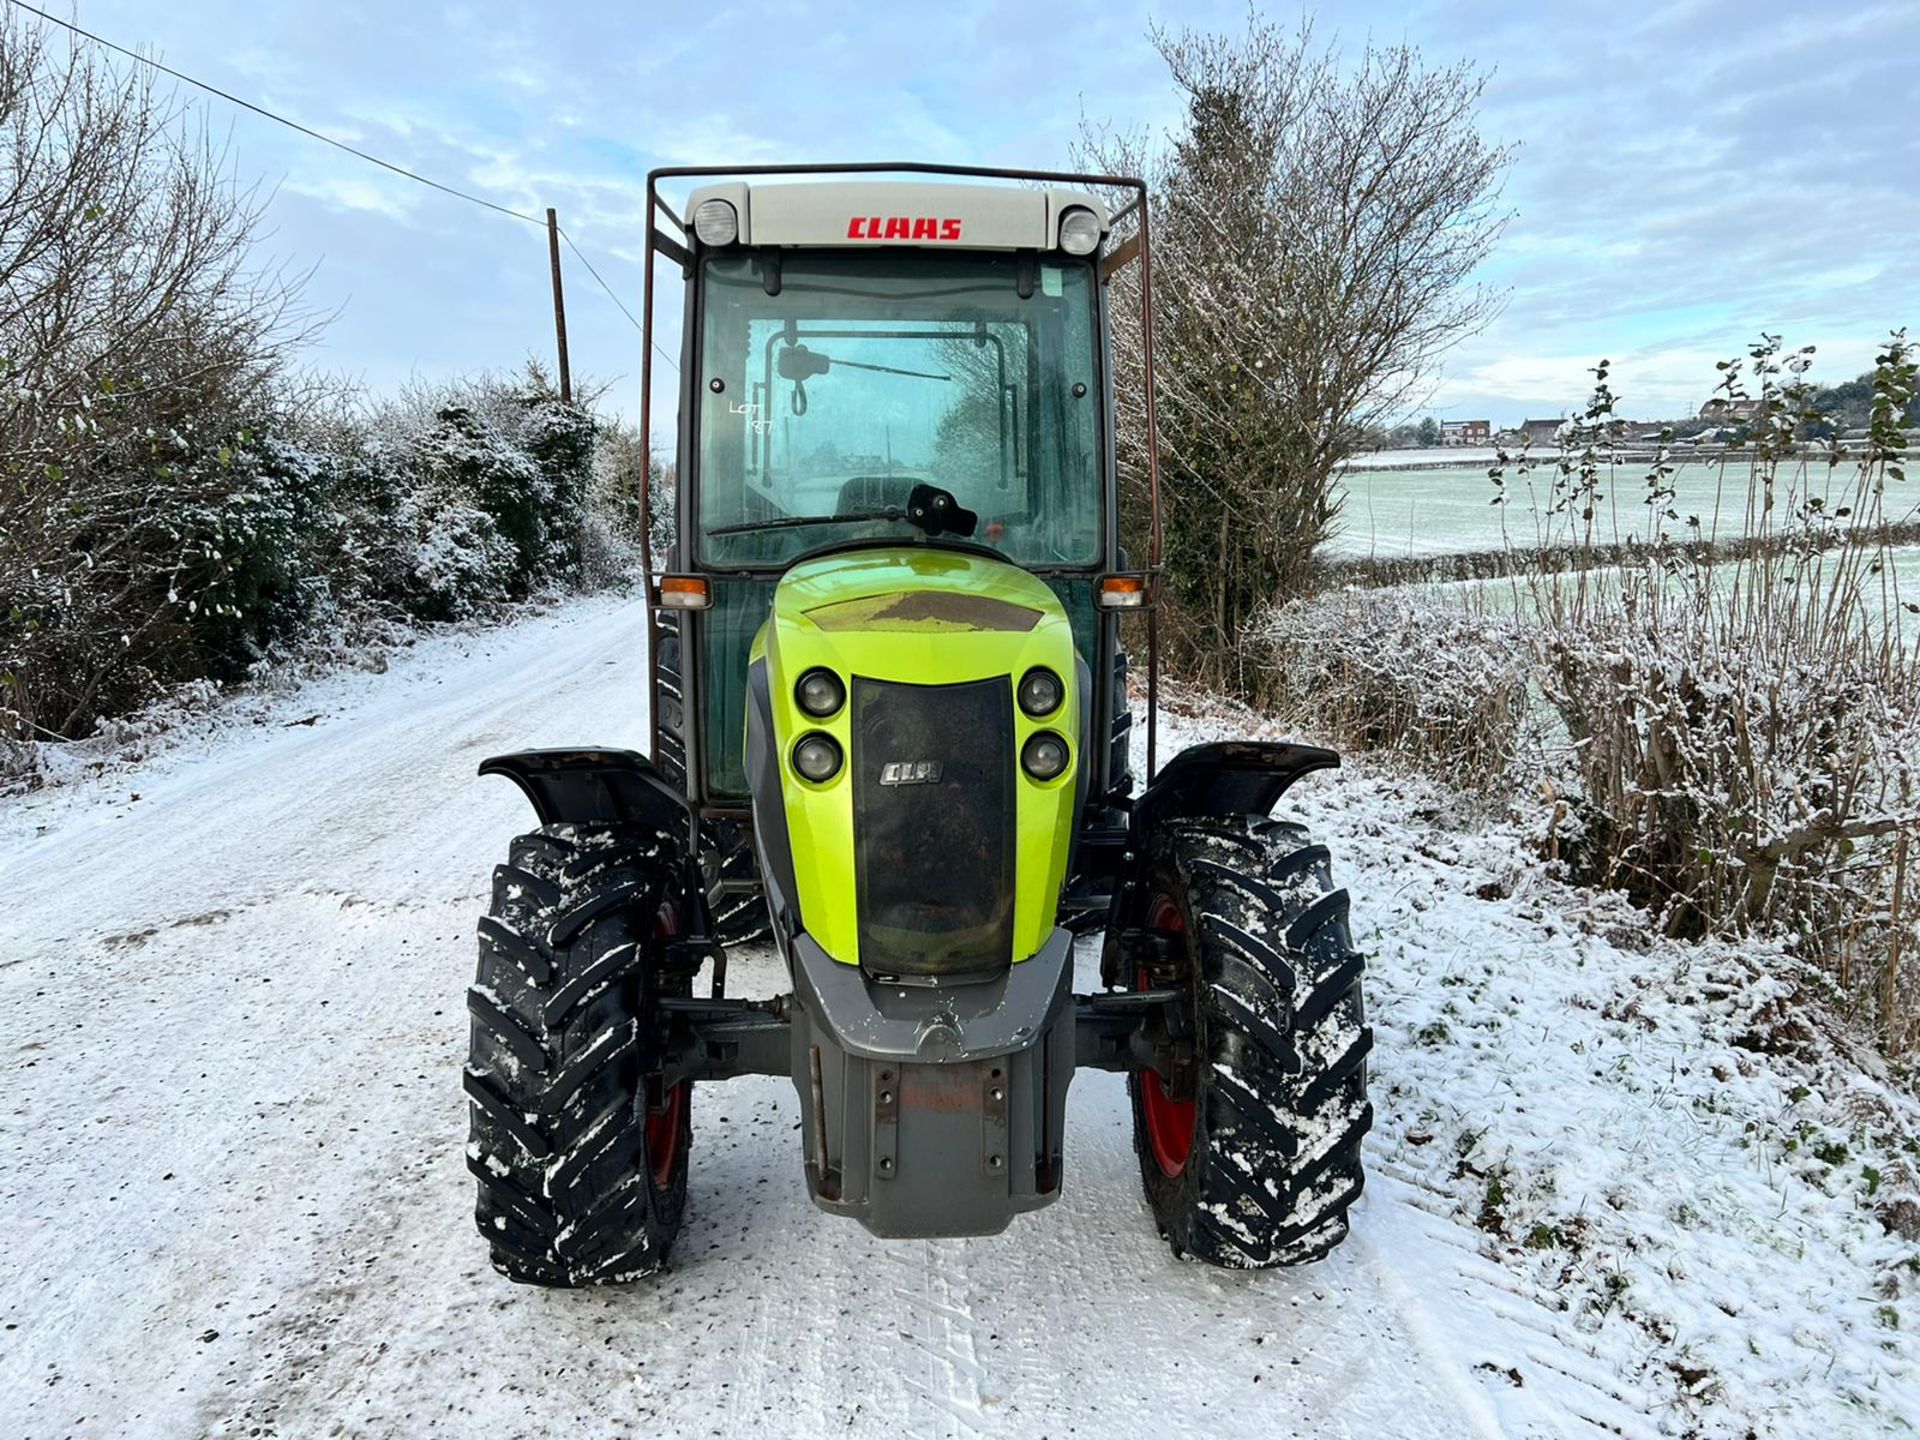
x: 1317, y: 229
x: 138, y: 341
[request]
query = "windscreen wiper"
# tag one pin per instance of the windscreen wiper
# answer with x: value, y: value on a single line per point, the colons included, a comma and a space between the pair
x: 790, y: 522
x: 799, y: 364
x: 889, y: 370
x: 934, y: 510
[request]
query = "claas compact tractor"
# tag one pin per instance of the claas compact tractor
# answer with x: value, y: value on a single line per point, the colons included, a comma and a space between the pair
x: 892, y: 736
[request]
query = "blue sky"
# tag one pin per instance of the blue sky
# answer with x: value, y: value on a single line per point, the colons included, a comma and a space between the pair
x: 1688, y: 174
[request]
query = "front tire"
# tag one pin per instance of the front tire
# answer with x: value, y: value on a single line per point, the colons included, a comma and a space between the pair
x: 580, y: 1156
x: 1250, y: 1158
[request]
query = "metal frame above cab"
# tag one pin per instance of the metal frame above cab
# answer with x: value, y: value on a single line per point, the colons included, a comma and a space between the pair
x: 677, y: 247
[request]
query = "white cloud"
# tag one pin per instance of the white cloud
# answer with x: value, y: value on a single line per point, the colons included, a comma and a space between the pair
x: 1689, y: 176
x: 717, y: 138
x: 392, y: 198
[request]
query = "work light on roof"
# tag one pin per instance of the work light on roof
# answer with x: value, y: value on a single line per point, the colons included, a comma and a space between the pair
x: 1079, y: 231
x: 716, y: 222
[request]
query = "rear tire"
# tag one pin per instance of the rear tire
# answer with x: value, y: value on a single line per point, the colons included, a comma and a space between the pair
x: 739, y: 917
x: 581, y: 1180
x: 1260, y: 1165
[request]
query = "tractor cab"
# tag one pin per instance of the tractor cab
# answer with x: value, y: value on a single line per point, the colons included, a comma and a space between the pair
x: 854, y: 344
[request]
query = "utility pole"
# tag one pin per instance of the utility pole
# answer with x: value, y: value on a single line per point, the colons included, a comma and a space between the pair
x: 559, y: 306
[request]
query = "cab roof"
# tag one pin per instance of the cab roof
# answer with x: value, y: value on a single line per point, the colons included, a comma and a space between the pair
x: 856, y: 213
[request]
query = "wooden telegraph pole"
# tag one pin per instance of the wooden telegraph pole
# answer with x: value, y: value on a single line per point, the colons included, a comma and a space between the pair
x: 559, y: 306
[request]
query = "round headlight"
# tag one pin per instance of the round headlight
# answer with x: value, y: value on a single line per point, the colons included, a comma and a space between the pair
x: 817, y: 757
x: 1044, y: 756
x: 1079, y: 231
x: 820, y: 693
x: 1040, y: 692
x: 716, y: 222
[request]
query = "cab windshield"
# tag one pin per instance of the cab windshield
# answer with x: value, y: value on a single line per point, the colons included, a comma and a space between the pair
x: 867, y: 373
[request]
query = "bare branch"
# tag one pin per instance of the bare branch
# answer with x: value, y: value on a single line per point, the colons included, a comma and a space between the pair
x: 1317, y: 227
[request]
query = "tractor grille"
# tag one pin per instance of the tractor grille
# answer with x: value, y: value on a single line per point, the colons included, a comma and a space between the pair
x: 933, y: 826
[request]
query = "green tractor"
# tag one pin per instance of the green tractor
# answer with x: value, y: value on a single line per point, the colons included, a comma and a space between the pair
x: 891, y: 731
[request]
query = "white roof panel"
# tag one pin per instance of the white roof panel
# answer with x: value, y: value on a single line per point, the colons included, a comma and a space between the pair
x: 890, y: 212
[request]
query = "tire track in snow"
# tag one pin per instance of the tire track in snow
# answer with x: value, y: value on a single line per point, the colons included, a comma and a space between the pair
x: 943, y: 1331
x: 746, y: 1396
x: 1475, y: 1350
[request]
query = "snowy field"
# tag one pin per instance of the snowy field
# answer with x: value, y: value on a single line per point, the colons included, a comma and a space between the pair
x: 1393, y: 512
x: 1427, y: 456
x: 1618, y: 1188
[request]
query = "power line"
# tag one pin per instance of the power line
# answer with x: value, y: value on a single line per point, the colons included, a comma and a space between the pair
x: 260, y: 110
x: 581, y: 257
x: 578, y: 255
x: 357, y: 153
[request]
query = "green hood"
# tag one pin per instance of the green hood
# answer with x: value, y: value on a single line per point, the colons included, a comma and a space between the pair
x: 916, y: 616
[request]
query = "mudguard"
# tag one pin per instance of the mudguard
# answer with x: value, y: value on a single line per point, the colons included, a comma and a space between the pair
x: 1227, y: 777
x: 572, y: 787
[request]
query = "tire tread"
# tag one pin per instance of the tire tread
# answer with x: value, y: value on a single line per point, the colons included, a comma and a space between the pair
x: 1282, y: 1088
x: 557, y: 1145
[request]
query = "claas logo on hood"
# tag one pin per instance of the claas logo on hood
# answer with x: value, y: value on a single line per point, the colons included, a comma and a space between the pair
x: 902, y: 227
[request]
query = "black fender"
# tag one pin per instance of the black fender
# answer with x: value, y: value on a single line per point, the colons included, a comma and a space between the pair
x: 1227, y: 777
x: 575, y: 787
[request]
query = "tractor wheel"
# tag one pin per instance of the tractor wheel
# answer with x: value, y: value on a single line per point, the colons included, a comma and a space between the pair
x: 739, y: 918
x: 581, y: 1159
x: 1251, y: 1155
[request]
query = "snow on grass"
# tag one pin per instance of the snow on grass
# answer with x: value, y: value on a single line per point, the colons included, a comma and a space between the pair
x: 296, y: 690
x: 1691, y: 1198
x: 236, y: 1195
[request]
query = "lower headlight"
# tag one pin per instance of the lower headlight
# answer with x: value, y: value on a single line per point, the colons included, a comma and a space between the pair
x: 1044, y: 756
x: 817, y: 757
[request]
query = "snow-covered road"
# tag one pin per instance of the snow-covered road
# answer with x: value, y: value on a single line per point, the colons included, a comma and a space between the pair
x: 234, y: 1201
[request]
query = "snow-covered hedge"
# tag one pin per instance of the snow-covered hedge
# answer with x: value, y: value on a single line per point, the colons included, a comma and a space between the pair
x: 1746, y: 727
x: 1431, y: 680
x: 1745, y: 773
x: 1728, y: 733
x: 145, y: 562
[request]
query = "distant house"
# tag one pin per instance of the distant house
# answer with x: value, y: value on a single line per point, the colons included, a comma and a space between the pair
x: 1726, y: 411
x: 1540, y: 432
x: 1466, y: 432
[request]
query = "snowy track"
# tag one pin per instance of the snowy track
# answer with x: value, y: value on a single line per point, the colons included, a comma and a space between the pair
x: 234, y: 1200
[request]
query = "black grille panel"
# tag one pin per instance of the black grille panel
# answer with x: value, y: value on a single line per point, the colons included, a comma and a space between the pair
x: 933, y: 857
